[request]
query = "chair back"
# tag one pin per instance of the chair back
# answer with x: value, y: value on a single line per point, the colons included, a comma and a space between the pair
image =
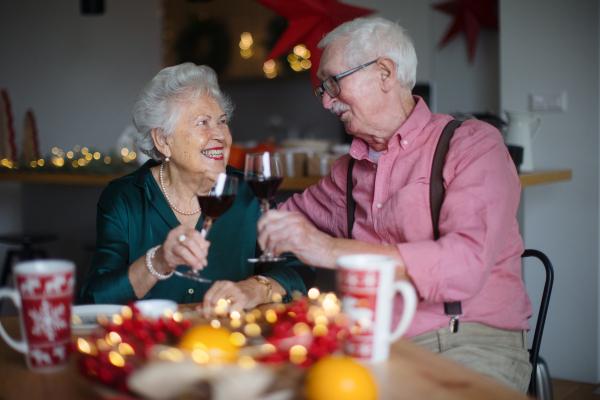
x: 534, y: 352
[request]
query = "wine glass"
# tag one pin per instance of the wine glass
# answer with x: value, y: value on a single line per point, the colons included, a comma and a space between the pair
x: 264, y: 174
x: 216, y: 194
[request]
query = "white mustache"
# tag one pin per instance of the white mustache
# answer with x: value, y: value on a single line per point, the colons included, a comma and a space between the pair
x: 338, y: 107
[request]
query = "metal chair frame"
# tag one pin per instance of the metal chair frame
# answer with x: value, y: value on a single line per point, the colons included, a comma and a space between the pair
x: 534, y: 352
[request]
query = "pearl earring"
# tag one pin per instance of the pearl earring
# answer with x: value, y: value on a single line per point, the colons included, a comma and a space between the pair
x: 167, y: 159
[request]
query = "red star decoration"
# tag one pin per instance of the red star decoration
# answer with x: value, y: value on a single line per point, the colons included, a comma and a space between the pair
x: 309, y: 21
x: 469, y: 16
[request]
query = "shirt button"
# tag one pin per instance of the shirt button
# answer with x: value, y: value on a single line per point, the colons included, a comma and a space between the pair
x: 379, y: 205
x: 405, y: 142
x: 374, y: 166
x: 191, y: 291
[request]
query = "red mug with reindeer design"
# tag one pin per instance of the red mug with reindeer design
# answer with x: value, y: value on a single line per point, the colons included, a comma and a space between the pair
x: 44, y: 295
x: 367, y: 287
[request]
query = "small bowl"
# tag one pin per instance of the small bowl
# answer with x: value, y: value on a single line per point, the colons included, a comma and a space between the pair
x: 155, y: 308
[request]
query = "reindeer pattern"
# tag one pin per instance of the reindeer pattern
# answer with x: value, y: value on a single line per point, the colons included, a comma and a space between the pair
x: 54, y: 286
x: 29, y: 287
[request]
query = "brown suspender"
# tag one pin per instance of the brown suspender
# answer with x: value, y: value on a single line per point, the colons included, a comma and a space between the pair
x: 436, y: 198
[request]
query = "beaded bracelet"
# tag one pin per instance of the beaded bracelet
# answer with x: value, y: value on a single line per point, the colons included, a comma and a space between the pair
x: 149, y: 258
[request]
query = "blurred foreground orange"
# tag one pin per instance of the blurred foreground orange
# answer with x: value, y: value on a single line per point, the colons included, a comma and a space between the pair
x: 337, y: 378
x: 216, y: 342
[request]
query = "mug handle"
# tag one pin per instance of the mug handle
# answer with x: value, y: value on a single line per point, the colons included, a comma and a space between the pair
x: 21, y: 346
x: 410, y: 306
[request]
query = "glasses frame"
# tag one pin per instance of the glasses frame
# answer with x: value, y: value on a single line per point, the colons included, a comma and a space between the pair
x: 321, y: 89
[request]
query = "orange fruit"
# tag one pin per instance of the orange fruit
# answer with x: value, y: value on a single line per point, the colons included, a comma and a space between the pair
x: 216, y: 342
x: 339, y: 378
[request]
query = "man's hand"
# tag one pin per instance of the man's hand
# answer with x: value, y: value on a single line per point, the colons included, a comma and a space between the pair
x: 286, y: 231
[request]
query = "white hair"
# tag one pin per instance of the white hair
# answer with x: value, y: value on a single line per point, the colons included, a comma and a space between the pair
x: 157, y: 105
x: 370, y: 38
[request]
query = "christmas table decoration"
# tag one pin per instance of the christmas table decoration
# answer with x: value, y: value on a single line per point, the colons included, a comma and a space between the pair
x: 124, y: 343
x: 235, y: 354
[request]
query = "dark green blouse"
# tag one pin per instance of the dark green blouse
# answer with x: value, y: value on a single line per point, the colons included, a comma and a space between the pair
x: 133, y: 216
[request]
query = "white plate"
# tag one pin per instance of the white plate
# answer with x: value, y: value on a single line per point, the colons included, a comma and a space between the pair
x: 155, y: 308
x: 88, y: 314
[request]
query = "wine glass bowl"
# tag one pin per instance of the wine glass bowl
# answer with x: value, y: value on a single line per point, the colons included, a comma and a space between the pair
x: 214, y: 202
x: 263, y: 173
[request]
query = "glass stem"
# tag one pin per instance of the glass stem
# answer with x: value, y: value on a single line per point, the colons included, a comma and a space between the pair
x: 264, y: 207
x: 206, y: 225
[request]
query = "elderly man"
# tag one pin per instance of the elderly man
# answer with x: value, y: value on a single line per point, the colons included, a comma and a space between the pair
x: 368, y: 69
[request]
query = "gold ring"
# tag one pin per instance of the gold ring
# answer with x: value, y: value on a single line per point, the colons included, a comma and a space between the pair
x: 230, y: 300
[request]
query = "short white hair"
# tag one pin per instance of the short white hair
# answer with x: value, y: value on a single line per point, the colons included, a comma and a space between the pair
x: 374, y: 37
x: 157, y: 105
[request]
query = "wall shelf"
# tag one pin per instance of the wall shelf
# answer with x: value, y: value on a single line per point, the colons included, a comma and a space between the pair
x: 545, y: 177
x: 296, y: 184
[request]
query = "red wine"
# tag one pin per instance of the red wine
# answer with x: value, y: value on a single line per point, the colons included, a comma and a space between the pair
x: 213, y: 206
x: 265, y: 188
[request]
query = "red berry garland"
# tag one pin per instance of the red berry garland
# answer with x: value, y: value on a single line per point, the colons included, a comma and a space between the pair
x: 110, y: 359
x: 303, y: 333
x: 296, y: 326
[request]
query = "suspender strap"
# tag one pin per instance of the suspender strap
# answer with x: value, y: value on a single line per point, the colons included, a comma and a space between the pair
x: 437, y: 191
x: 350, y: 203
x: 436, y: 194
x: 436, y: 184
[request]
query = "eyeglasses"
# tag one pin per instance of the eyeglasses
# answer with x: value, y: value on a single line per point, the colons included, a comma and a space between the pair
x: 331, y: 85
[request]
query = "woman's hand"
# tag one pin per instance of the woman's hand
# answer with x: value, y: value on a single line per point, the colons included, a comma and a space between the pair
x: 183, y: 246
x: 288, y: 231
x: 241, y: 295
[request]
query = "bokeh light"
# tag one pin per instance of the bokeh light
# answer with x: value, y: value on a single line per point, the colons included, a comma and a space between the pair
x: 314, y: 293
x: 116, y: 359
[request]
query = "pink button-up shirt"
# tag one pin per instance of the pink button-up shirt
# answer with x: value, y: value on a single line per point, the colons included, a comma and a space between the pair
x: 477, y: 259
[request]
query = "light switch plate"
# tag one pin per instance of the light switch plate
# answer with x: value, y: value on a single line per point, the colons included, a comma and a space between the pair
x: 549, y: 102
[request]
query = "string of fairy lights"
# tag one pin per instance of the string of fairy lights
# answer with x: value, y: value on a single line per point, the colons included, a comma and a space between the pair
x: 77, y: 158
x: 298, y: 58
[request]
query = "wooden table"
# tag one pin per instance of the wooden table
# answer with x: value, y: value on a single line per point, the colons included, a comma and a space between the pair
x: 411, y: 373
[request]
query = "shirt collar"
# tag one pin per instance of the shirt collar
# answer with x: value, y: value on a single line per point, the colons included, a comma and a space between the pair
x: 407, y: 132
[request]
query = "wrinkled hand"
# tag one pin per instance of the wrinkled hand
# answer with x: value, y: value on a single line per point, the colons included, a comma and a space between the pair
x: 287, y: 231
x: 192, y: 251
x: 246, y: 294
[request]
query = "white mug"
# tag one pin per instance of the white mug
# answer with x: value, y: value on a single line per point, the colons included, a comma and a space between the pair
x: 44, y: 295
x: 367, y: 286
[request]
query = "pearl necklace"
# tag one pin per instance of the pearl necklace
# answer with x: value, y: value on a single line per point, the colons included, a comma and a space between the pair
x: 162, y: 185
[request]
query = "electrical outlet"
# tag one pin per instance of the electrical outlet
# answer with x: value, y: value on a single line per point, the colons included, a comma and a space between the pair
x: 550, y: 102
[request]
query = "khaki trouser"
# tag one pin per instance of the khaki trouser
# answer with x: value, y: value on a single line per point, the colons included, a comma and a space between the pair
x: 498, y: 353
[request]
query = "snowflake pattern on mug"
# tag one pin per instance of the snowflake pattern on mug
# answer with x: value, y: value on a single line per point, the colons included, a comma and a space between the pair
x: 48, y: 320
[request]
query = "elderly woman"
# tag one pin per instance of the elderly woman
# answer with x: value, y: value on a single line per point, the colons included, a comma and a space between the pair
x: 148, y: 221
